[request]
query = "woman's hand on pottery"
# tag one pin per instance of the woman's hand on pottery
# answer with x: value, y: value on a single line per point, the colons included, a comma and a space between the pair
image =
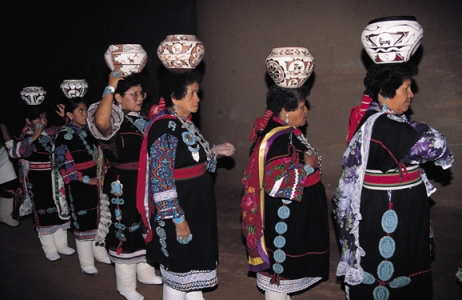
x: 60, y: 111
x: 183, y: 233
x: 226, y: 149
x: 311, y: 159
x: 114, y: 78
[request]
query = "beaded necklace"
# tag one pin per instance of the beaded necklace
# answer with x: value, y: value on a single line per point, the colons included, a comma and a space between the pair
x: 193, y: 135
x: 304, y: 141
x: 139, y: 123
x: 82, y: 135
x: 299, y: 134
x: 45, y: 141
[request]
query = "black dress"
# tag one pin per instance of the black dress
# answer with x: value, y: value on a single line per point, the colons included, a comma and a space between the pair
x: 194, y: 265
x: 302, y: 211
x: 35, y: 174
x: 123, y: 149
x: 75, y: 157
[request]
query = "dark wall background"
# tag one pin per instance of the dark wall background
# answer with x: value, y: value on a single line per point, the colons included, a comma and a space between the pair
x: 239, y: 34
x: 45, y: 43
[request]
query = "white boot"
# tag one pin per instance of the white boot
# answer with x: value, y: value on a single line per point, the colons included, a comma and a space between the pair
x: 275, y: 296
x: 101, y: 254
x: 146, y: 274
x: 60, y: 237
x: 196, y: 295
x: 126, y: 281
x: 86, y: 259
x: 6, y: 208
x: 49, y: 247
x: 172, y: 294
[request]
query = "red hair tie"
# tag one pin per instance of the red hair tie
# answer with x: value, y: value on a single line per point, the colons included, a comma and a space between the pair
x: 156, y: 108
x: 260, y: 124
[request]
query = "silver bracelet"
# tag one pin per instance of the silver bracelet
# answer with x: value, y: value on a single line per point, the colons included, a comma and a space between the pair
x: 108, y: 90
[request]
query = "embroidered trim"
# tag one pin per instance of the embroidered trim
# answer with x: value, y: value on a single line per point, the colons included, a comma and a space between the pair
x: 165, y: 195
x: 188, y: 281
x: 128, y: 258
x: 296, y: 182
x: 285, y: 286
x: 46, y: 230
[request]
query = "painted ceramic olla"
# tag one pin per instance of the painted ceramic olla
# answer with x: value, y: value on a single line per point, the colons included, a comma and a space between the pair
x: 127, y: 58
x: 181, y: 52
x: 74, y: 88
x: 33, y: 95
x: 392, y: 39
x: 290, y: 67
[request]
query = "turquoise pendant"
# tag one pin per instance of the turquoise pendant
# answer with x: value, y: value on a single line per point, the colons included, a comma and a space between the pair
x: 120, y: 235
x: 118, y: 214
x: 117, y: 188
x: 134, y: 227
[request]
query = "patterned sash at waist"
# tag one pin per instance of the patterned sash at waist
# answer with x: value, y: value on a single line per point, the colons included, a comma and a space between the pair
x: 41, y: 165
x: 392, y: 179
x: 189, y: 172
x: 84, y: 165
x: 313, y: 178
x: 124, y: 166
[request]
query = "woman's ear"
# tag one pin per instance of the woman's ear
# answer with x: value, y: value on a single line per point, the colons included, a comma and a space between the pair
x: 28, y: 122
x: 118, y: 98
x: 69, y: 115
x: 282, y: 114
x: 172, y: 96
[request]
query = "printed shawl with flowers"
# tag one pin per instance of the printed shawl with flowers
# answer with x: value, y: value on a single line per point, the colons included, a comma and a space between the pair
x: 431, y: 146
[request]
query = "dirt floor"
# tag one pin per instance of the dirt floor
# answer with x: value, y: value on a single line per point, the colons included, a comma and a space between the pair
x: 26, y: 274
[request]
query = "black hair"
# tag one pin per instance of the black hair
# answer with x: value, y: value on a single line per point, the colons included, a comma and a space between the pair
x: 73, y: 103
x: 130, y: 81
x: 176, y: 84
x: 33, y: 112
x: 278, y: 98
x: 387, y: 78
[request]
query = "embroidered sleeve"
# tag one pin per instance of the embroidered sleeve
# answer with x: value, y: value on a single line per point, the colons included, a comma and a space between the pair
x: 431, y: 146
x: 23, y: 147
x: 53, y: 131
x: 65, y: 164
x: 284, y: 179
x: 117, y: 117
x: 161, y: 180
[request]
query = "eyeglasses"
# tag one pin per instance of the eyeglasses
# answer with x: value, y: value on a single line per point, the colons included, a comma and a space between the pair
x: 137, y: 95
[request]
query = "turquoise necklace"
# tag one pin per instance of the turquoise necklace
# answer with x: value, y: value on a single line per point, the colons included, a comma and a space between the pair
x: 193, y: 135
x: 82, y: 135
x: 139, y: 123
x: 45, y: 141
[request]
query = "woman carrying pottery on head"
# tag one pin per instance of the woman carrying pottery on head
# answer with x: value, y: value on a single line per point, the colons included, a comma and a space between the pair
x: 182, y: 233
x: 34, y: 150
x: 117, y: 122
x: 381, y: 204
x: 76, y: 159
x: 284, y: 207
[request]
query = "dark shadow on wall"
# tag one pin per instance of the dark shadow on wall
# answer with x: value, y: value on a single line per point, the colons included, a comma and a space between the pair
x: 53, y: 42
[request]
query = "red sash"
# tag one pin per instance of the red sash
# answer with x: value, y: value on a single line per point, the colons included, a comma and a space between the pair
x: 40, y: 165
x: 84, y: 165
x: 312, y: 179
x: 124, y: 166
x: 189, y: 172
x: 395, y: 178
